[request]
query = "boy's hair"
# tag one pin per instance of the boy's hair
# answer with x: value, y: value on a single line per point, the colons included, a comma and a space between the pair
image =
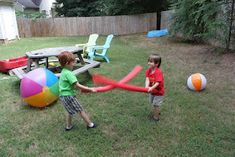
x: 66, y: 58
x: 155, y: 58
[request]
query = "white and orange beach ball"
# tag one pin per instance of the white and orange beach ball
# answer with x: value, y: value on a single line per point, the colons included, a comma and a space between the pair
x: 196, y: 82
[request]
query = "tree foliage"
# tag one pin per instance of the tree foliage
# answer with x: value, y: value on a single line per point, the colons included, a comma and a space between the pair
x: 108, y: 7
x: 71, y: 8
x: 200, y: 20
x: 196, y: 19
x: 30, y: 14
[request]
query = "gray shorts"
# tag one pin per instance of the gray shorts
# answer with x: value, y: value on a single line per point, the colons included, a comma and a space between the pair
x: 71, y: 104
x: 156, y: 101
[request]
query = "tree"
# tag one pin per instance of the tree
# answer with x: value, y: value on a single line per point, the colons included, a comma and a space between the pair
x: 30, y: 14
x: 200, y: 20
x: 195, y: 18
x: 73, y: 8
x: 231, y: 14
x: 107, y: 7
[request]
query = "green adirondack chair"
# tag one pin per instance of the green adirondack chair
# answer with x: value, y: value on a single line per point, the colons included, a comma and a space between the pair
x: 91, y: 42
x: 94, y: 50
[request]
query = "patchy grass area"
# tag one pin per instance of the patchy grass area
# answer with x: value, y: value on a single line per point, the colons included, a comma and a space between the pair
x: 192, y: 124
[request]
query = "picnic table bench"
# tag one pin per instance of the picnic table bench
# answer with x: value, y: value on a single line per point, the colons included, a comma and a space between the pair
x: 41, y: 56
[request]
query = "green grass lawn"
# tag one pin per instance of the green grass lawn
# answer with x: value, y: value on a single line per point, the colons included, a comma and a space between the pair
x: 193, y: 124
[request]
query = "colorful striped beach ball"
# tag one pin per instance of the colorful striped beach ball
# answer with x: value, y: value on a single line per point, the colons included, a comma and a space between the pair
x: 196, y: 82
x: 39, y: 87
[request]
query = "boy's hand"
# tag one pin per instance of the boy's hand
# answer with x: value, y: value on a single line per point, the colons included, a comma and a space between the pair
x: 150, y: 89
x: 93, y: 90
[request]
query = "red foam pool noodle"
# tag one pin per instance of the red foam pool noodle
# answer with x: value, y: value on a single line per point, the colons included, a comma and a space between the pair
x: 104, y: 80
x: 126, y: 79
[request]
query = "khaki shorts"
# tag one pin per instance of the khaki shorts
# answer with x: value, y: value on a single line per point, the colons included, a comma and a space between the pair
x: 156, y: 101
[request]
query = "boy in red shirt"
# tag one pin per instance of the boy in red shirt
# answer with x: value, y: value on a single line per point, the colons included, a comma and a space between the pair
x: 155, y: 80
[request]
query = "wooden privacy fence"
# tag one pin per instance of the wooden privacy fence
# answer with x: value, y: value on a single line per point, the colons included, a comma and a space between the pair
x: 74, y: 26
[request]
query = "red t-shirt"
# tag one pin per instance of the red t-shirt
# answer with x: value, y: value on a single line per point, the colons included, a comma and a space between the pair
x: 156, y: 76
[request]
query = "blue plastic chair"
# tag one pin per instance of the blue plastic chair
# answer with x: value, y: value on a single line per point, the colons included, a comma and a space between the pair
x: 93, y: 51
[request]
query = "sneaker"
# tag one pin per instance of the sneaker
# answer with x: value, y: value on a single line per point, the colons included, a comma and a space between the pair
x: 156, y: 119
x: 94, y: 126
x: 150, y: 116
x: 68, y: 128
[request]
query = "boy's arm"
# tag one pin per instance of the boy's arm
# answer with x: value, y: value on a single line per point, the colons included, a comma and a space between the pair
x: 147, y: 82
x: 159, y: 78
x: 153, y: 87
x: 80, y: 86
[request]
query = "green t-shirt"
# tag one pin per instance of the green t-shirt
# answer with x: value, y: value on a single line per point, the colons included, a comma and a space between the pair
x: 66, y: 83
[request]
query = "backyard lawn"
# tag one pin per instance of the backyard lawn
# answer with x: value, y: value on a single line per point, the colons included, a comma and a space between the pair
x: 192, y: 124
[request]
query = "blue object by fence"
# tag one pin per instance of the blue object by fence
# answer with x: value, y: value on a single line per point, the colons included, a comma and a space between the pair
x: 157, y: 33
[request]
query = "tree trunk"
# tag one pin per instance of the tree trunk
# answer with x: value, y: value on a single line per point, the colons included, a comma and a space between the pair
x: 230, y: 26
x: 158, y: 20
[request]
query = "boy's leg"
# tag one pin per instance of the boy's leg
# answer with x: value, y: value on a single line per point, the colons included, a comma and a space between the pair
x: 156, y: 107
x: 156, y: 112
x: 151, y: 114
x: 69, y: 121
x: 87, y: 120
x: 85, y: 117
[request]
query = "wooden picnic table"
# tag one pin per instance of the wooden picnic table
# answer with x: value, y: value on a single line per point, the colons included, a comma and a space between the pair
x: 37, y: 55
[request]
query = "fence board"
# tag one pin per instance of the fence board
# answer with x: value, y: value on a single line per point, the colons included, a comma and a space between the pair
x: 75, y: 26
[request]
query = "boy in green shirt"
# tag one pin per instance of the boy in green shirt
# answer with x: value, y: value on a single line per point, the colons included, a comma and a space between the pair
x: 67, y: 84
